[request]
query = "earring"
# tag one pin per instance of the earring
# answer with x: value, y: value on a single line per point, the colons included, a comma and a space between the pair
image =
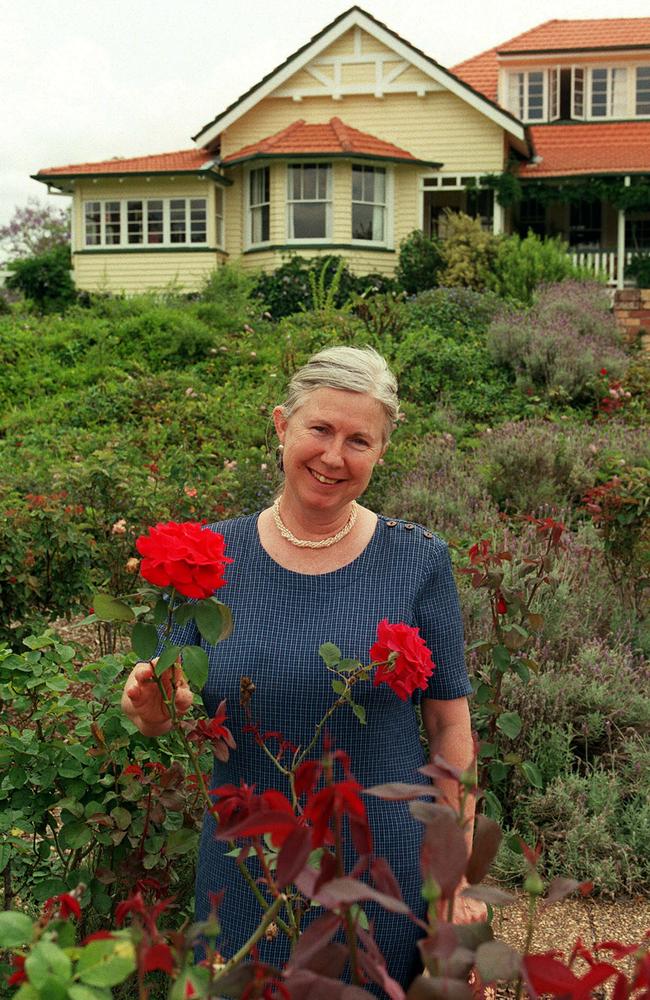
x: 278, y: 457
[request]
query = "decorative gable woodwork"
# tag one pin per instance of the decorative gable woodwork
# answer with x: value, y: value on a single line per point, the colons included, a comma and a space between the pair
x: 356, y: 64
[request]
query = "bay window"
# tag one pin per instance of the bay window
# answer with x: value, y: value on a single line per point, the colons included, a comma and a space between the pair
x: 369, y: 203
x: 642, y: 105
x: 608, y: 92
x: 527, y: 94
x: 309, y: 201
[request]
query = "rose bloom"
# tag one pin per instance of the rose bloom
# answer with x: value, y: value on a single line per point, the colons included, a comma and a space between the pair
x: 187, y: 557
x: 411, y: 665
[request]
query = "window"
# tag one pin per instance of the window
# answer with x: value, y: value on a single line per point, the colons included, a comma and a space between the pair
x: 154, y: 222
x: 526, y: 95
x: 369, y: 203
x: 218, y: 215
x: 643, y: 90
x: 608, y: 93
x: 259, y: 200
x: 585, y: 223
x: 637, y: 230
x: 310, y: 201
x: 532, y: 216
x: 577, y: 92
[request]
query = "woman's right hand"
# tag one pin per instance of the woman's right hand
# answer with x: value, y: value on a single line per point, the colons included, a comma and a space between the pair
x: 142, y: 702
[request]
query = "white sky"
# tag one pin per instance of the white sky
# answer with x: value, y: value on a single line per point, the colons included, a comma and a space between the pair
x: 90, y: 79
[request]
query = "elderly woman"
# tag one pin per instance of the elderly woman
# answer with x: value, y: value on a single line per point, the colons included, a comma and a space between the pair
x: 318, y: 566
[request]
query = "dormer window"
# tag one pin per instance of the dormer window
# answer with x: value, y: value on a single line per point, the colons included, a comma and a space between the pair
x: 643, y: 90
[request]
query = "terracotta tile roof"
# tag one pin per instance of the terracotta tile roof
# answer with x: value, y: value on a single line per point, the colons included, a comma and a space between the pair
x: 332, y: 138
x: 593, y: 148
x: 184, y: 160
x: 481, y: 71
x: 608, y: 33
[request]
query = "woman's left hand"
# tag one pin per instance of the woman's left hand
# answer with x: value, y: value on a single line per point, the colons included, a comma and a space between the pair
x: 469, y: 911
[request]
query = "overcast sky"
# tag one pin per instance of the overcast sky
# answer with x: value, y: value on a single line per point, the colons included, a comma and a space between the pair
x: 90, y: 79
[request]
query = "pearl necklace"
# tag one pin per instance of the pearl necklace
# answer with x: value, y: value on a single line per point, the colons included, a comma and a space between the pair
x: 307, y: 543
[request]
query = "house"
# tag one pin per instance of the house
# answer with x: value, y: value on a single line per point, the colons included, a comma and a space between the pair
x: 359, y: 137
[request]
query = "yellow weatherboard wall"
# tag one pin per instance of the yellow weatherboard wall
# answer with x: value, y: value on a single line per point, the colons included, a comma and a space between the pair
x: 118, y: 270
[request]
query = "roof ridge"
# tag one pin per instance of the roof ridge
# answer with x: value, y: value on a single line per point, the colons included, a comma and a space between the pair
x: 342, y: 133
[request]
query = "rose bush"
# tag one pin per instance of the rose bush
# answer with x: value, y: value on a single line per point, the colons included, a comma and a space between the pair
x: 403, y: 660
x: 187, y: 557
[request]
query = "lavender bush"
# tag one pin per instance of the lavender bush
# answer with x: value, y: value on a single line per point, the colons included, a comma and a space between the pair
x: 559, y: 346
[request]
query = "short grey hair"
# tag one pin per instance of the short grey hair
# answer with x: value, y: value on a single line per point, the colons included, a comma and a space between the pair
x: 353, y: 369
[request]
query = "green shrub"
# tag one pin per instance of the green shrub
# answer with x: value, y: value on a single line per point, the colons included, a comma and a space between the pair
x: 225, y: 298
x: 420, y: 260
x: 289, y: 289
x: 639, y: 269
x: 454, y: 312
x: 468, y: 252
x: 520, y: 266
x: 45, y: 279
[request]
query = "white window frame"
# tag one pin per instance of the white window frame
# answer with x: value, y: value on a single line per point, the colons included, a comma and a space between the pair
x: 622, y: 107
x: 164, y: 244
x: 519, y: 80
x: 387, y: 206
x: 635, y: 86
x: 219, y: 216
x: 249, y: 206
x: 578, y: 75
x: 327, y: 201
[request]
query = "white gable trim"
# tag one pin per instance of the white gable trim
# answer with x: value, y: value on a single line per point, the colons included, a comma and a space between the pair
x: 357, y: 19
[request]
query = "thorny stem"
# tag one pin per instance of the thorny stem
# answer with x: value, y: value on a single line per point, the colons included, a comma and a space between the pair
x: 530, y: 929
x: 268, y: 918
x: 350, y: 931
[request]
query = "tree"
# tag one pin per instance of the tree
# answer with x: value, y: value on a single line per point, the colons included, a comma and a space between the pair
x: 45, y: 279
x: 34, y: 229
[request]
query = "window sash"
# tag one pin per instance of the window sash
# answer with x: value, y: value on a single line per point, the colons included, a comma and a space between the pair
x: 642, y: 90
x: 309, y: 201
x: 137, y: 222
x: 259, y: 204
x: 527, y: 94
x: 369, y: 203
x: 608, y: 92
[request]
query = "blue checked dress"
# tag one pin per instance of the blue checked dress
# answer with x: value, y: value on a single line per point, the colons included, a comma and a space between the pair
x: 281, y: 618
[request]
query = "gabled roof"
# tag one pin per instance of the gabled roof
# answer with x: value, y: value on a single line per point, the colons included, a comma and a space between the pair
x: 334, y: 138
x: 594, y: 148
x: 184, y: 161
x: 357, y: 17
x: 610, y: 34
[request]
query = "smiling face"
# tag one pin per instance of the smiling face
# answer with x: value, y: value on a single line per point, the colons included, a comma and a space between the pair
x: 331, y: 445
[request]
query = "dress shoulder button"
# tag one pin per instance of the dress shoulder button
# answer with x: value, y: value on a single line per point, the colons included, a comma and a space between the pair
x: 428, y: 534
x: 409, y: 527
x: 391, y: 524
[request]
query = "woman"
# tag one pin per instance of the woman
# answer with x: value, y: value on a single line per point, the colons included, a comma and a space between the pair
x: 315, y: 567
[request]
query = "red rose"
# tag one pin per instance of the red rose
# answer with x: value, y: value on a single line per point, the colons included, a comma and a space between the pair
x: 405, y: 662
x: 502, y: 607
x: 187, y: 557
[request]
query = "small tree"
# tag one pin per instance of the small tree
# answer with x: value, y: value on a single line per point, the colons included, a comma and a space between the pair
x: 45, y: 279
x: 419, y: 262
x: 34, y: 229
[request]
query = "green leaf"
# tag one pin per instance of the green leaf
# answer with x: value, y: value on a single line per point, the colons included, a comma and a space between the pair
x: 46, y: 963
x: 144, y: 640
x: 195, y: 665
x: 16, y: 929
x: 348, y: 666
x: 181, y: 841
x: 122, y: 817
x: 533, y: 773
x: 168, y: 657
x: 338, y: 686
x: 183, y: 613
x: 498, y: 771
x: 76, y: 834
x: 81, y: 992
x: 501, y: 657
x: 510, y: 724
x: 359, y: 711
x: 521, y: 670
x: 160, y: 610
x: 209, y: 621
x: 330, y: 654
x: 106, y: 963
x: 483, y: 694
x: 109, y: 609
